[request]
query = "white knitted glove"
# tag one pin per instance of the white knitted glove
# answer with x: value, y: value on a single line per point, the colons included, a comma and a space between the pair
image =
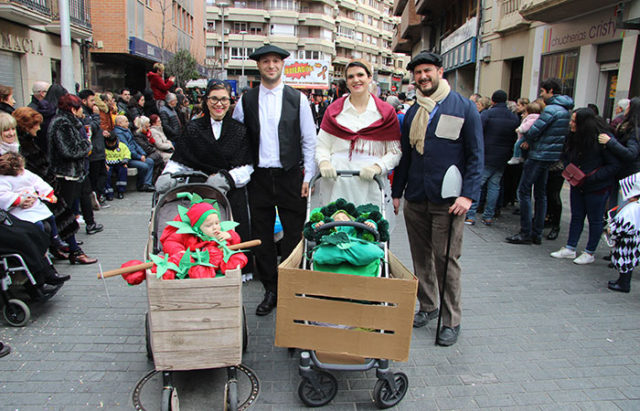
x: 327, y: 170
x: 367, y: 173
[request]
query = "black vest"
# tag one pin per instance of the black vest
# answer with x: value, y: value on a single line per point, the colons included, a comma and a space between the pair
x: 289, y: 136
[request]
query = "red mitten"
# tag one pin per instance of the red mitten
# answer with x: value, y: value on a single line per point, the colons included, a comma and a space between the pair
x: 238, y: 259
x: 136, y: 277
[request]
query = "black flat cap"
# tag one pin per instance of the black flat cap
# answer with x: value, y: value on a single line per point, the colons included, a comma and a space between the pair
x: 268, y: 49
x: 425, y: 57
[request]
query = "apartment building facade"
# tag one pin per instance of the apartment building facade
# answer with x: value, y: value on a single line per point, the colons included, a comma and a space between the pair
x: 514, y: 44
x: 327, y: 30
x: 30, y: 43
x: 129, y: 36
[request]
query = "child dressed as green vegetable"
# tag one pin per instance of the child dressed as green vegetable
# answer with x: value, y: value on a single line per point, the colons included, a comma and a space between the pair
x: 347, y: 249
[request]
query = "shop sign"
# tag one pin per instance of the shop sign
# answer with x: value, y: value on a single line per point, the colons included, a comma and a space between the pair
x: 594, y: 29
x: 462, y: 34
x: 12, y: 42
x: 303, y: 73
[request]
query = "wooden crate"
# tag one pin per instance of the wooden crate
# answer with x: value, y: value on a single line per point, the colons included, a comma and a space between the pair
x: 196, y: 323
x: 306, y: 296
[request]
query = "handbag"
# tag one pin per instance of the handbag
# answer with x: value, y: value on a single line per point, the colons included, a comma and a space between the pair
x: 574, y: 175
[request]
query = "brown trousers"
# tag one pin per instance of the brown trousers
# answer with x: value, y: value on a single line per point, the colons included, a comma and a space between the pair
x: 427, y: 227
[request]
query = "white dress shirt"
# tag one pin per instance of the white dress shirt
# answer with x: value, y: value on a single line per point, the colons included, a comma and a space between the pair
x: 216, y: 128
x: 269, y: 110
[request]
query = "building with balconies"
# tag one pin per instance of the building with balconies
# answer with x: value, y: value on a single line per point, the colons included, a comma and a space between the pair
x: 578, y: 42
x: 449, y: 28
x: 335, y: 31
x: 30, y: 43
x: 129, y: 36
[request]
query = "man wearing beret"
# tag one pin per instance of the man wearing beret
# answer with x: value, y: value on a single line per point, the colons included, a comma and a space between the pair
x: 282, y: 135
x: 441, y: 130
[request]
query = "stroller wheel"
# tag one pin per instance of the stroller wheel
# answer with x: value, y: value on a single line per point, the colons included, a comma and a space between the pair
x: 170, y: 399
x: 147, y: 335
x: 384, y: 396
x: 319, y: 392
x: 16, y: 313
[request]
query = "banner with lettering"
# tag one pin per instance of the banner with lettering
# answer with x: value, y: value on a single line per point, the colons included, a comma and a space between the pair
x: 304, y: 73
x: 595, y: 28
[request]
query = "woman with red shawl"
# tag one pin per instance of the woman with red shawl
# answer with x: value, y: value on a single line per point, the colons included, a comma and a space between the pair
x: 358, y: 132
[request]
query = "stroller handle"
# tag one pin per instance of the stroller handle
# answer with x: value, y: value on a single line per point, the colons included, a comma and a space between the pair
x: 355, y: 224
x: 348, y: 173
x: 189, y: 174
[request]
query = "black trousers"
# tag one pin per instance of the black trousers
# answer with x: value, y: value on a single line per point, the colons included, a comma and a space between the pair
x: 270, y: 188
x: 78, y: 190
x: 554, y: 202
x: 98, y: 176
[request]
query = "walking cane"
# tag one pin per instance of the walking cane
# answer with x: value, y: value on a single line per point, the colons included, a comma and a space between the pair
x: 451, y: 188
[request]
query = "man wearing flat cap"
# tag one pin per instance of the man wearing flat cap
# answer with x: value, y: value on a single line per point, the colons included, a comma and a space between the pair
x: 441, y: 131
x: 282, y: 134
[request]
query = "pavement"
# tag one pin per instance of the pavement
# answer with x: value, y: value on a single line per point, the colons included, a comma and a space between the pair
x: 537, y: 334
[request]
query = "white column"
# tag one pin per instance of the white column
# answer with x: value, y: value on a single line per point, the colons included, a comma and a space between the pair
x: 536, y: 61
x: 66, y: 56
x: 625, y: 70
x: 586, y: 86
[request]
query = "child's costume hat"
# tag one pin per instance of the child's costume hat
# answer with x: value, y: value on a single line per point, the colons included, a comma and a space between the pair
x: 630, y: 186
x: 199, y: 212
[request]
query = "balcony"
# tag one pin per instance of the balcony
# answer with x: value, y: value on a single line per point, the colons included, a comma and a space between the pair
x: 410, y: 23
x: 510, y: 17
x: 29, y: 12
x: 434, y: 7
x: 79, y: 15
x: 398, y: 7
x: 551, y: 11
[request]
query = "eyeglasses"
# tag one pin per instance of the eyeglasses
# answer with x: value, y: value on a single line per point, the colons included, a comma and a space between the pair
x: 215, y: 100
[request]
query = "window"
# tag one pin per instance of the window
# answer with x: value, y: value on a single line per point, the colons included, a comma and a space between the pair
x: 388, y: 26
x: 283, y: 5
x: 562, y: 66
x: 248, y: 4
x: 370, y: 20
x: 239, y: 26
x: 374, y: 59
x: 326, y: 34
x: 358, y: 36
x: 358, y: 16
x: 283, y: 30
x: 211, y: 26
x: 255, y: 30
x: 211, y: 51
x: 345, y: 32
x: 388, y: 61
x: 356, y: 54
x: 241, y: 53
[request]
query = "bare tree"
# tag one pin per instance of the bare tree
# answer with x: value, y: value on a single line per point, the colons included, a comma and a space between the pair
x: 165, y: 7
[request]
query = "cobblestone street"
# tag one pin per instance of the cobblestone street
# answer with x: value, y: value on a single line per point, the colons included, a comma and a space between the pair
x: 537, y: 333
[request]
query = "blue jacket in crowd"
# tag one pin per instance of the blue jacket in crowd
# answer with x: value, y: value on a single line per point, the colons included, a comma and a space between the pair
x: 125, y: 136
x: 546, y: 136
x: 499, y: 126
x: 457, y: 141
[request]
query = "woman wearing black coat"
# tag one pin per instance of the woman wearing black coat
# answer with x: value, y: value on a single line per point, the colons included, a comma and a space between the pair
x: 587, y: 200
x: 69, y: 148
x: 625, y: 146
x: 218, y: 145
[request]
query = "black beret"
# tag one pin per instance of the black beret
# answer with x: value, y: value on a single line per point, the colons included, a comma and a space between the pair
x: 317, y: 92
x: 425, y: 57
x: 268, y: 49
x: 499, y: 96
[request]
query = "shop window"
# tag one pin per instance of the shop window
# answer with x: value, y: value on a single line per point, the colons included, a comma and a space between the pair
x: 562, y: 66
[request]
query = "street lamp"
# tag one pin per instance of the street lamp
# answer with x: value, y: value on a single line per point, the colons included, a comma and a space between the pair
x: 222, y: 5
x: 244, y: 56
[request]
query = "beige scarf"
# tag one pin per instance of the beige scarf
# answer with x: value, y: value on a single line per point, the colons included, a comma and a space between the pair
x: 421, y: 119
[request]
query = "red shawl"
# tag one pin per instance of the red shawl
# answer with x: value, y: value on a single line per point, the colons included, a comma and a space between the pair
x: 384, y: 129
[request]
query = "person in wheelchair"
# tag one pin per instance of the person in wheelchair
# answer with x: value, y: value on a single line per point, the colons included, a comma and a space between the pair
x: 31, y: 243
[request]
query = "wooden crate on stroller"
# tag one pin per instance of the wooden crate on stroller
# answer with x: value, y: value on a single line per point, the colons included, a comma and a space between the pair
x: 196, y: 323
x: 377, y: 311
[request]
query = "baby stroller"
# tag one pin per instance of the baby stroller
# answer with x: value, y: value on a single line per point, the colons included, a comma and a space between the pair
x: 194, y: 323
x: 374, y: 317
